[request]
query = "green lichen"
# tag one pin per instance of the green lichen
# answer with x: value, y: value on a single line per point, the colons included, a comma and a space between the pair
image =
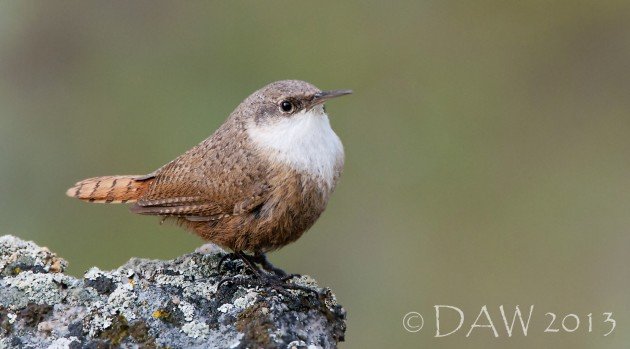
x: 255, y: 324
x: 120, y: 330
x: 5, y: 325
x: 139, y: 331
x: 33, y: 313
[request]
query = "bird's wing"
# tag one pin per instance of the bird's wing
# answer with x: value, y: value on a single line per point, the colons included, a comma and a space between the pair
x: 180, y: 207
x: 207, y: 182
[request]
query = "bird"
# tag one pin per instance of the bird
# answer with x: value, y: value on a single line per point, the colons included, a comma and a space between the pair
x: 255, y: 185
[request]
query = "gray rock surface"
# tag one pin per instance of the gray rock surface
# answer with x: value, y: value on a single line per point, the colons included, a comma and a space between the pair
x: 154, y: 304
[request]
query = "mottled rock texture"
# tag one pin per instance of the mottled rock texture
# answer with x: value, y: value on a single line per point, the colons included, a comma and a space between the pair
x: 154, y: 304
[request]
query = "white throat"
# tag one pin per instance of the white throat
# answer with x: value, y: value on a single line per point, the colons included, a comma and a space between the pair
x: 304, y: 141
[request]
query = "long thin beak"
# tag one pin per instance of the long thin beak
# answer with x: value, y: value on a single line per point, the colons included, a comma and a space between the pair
x: 321, y: 97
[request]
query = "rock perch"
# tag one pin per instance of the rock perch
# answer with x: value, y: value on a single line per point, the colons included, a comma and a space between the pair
x: 154, y: 304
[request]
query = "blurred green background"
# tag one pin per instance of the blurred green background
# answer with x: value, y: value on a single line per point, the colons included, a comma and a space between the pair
x: 487, y: 145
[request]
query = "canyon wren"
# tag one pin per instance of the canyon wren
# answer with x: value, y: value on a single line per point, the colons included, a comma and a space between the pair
x: 255, y: 185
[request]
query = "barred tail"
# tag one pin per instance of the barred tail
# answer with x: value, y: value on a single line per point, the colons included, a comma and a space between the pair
x: 109, y: 189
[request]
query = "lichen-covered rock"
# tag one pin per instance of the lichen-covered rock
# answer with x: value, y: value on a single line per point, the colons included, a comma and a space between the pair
x: 154, y: 304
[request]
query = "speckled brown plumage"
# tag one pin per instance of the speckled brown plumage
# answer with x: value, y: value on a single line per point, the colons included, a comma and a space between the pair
x: 229, y: 189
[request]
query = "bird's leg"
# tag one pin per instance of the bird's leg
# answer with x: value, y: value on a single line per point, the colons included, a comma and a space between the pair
x: 249, y: 263
x: 261, y: 259
x: 242, y: 256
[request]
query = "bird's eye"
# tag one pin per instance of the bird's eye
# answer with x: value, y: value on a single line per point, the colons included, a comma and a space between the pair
x: 287, y: 106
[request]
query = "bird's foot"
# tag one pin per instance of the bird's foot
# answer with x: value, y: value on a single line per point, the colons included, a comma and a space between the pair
x: 271, y: 277
x: 268, y: 280
x: 225, y: 258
